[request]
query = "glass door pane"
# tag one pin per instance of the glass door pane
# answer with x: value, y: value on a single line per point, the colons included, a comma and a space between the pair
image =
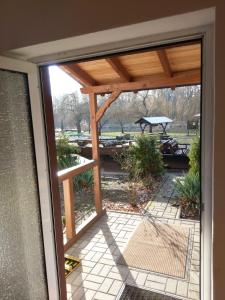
x: 22, y: 263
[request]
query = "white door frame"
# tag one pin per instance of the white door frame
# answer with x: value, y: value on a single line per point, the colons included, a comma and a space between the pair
x: 42, y: 167
x: 157, y: 32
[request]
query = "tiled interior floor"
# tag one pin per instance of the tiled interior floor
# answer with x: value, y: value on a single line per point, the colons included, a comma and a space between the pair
x: 99, y: 277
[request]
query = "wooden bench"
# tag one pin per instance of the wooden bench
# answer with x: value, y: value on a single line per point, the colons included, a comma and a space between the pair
x: 171, y: 146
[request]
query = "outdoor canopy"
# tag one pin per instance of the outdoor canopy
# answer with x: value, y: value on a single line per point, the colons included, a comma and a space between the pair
x: 153, y: 121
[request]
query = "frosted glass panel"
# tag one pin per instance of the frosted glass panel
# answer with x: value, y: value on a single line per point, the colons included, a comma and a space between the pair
x: 22, y: 273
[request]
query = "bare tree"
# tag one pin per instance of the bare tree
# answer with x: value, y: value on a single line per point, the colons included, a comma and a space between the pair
x: 74, y: 107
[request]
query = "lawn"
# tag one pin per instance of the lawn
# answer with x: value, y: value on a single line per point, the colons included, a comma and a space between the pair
x: 181, y: 137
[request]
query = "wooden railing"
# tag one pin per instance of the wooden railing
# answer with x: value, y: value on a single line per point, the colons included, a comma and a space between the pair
x: 67, y: 175
x: 66, y: 178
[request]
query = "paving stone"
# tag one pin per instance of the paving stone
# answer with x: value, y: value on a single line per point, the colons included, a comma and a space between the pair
x: 89, y: 246
x: 74, y: 275
x: 97, y: 269
x: 194, y: 277
x: 108, y: 256
x: 117, y: 276
x: 90, y: 255
x: 115, y: 288
x: 122, y: 270
x: 155, y: 285
x: 102, y: 296
x: 97, y: 257
x: 107, y: 262
x: 105, y: 270
x: 86, y: 269
x: 95, y: 278
x: 91, y: 285
x: 88, y: 263
x: 193, y: 295
x: 132, y: 275
x: 78, y: 294
x: 106, y: 285
x: 84, y: 251
x: 102, y: 245
x: 156, y: 278
x: 141, y: 278
x: 171, y: 285
x: 89, y: 295
x: 122, y: 234
x: 99, y: 249
x: 70, y: 288
x: 194, y: 287
x: 182, y: 288
x: 79, y: 279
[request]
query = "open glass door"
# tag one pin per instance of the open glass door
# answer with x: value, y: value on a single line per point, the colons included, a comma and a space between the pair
x: 28, y: 250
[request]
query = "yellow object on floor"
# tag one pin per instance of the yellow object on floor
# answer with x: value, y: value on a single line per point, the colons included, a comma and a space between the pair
x: 71, y: 263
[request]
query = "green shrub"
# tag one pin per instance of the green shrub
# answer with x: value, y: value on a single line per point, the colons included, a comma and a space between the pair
x: 65, y: 153
x: 83, y: 180
x: 195, y: 156
x: 189, y: 188
x: 66, y: 158
x: 142, y: 159
x: 189, y: 191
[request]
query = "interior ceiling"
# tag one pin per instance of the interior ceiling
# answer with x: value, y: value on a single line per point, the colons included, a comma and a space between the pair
x: 171, y: 66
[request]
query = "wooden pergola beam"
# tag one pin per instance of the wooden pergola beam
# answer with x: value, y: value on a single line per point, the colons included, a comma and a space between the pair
x: 152, y: 82
x: 119, y: 68
x: 164, y: 62
x: 106, y: 105
x: 78, y: 74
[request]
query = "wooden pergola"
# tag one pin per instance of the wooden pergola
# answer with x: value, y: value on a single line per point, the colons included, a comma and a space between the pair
x: 152, y: 122
x: 167, y: 67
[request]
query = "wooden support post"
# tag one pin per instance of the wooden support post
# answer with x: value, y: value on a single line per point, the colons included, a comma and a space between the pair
x: 164, y: 127
x: 69, y: 207
x: 95, y: 152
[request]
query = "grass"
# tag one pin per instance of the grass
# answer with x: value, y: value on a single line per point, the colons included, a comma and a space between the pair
x: 181, y: 137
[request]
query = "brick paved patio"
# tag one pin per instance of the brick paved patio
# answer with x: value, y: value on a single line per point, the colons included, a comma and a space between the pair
x: 99, y: 277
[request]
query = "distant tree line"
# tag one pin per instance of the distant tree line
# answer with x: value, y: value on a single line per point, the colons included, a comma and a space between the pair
x: 180, y: 104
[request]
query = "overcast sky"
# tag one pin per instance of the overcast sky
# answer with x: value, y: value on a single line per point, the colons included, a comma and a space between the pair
x: 61, y: 83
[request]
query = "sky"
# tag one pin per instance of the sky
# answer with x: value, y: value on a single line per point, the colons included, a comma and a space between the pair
x: 61, y: 83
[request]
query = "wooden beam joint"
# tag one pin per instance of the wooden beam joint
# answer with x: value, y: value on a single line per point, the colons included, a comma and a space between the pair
x: 119, y: 68
x: 107, y: 104
x: 78, y: 74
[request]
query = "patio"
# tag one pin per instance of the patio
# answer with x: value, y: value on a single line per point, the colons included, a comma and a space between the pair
x: 100, y: 277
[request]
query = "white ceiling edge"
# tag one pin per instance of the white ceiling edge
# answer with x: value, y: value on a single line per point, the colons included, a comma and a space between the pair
x: 70, y: 47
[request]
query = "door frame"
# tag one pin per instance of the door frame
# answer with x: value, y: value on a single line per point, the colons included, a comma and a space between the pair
x: 38, y: 124
x: 207, y: 102
x: 168, y: 30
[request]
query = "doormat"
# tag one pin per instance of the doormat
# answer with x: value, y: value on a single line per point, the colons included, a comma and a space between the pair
x: 158, y: 247
x: 71, y: 263
x: 134, y: 293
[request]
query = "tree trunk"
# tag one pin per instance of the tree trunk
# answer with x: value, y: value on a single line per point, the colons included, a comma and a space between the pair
x: 62, y: 126
x: 121, y: 127
x: 99, y: 128
x: 78, y: 127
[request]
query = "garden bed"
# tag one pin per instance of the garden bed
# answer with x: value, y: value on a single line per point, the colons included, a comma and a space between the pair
x: 121, y: 195
x: 118, y: 194
x: 187, y: 213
